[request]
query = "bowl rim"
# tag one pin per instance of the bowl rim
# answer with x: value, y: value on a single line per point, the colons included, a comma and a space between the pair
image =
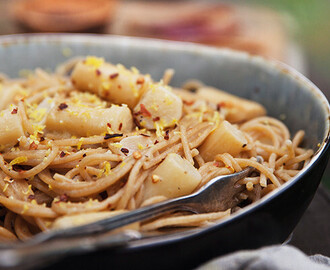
x: 188, y: 47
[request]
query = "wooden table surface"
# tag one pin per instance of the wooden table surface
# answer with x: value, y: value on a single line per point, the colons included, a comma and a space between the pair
x: 312, y: 235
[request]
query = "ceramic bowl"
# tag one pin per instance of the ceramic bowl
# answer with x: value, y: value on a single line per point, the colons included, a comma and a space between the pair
x: 284, y: 92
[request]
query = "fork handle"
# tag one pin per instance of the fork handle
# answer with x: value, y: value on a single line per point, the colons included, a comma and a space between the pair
x: 115, y: 222
x: 140, y: 214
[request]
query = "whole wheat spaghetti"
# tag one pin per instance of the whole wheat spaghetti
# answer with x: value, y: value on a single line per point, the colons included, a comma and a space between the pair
x: 105, y: 139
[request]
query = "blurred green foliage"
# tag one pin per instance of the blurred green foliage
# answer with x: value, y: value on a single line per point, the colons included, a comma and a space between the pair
x: 313, y: 20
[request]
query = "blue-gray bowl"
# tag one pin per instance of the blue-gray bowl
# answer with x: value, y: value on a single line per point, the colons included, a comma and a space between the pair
x: 282, y: 90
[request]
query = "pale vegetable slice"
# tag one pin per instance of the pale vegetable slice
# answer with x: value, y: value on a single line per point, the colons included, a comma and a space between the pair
x: 238, y: 109
x: 10, y: 94
x: 158, y: 106
x: 226, y: 138
x: 174, y: 177
x: 82, y: 121
x: 66, y: 222
x: 131, y: 144
x: 10, y: 127
x: 113, y: 83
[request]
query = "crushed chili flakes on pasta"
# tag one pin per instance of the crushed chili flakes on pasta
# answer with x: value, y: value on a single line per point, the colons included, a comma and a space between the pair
x: 109, y: 139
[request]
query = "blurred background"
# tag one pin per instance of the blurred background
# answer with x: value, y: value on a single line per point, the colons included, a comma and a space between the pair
x: 296, y: 32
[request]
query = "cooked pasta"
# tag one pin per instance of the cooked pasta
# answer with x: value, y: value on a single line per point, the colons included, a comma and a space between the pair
x: 84, y: 145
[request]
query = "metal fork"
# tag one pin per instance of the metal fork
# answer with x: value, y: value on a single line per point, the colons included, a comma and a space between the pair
x: 217, y: 195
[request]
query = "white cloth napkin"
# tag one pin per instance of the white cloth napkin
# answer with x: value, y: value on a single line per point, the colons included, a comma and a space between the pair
x: 269, y: 258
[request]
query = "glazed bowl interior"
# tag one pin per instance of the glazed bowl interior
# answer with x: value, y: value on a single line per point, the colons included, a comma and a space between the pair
x: 285, y: 93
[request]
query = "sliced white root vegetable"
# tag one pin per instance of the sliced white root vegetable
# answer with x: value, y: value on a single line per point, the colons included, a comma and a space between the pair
x: 113, y: 83
x: 226, y: 138
x: 66, y: 222
x: 158, y: 107
x: 131, y: 144
x: 237, y: 109
x: 82, y: 121
x: 10, y: 94
x: 10, y: 127
x: 174, y: 177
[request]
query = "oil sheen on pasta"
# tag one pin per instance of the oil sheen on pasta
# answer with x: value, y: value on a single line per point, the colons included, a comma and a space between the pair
x: 106, y: 139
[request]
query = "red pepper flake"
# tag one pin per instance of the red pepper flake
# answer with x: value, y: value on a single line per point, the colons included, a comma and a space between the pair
x: 42, y: 139
x: 221, y: 104
x: 31, y: 197
x: 144, y: 111
x: 62, y: 106
x: 98, y: 72
x: 216, y: 164
x: 124, y: 150
x: 167, y: 136
x: 188, y: 103
x: 14, y: 111
x: 33, y: 146
x: 62, y: 154
x: 108, y: 125
x: 136, y: 122
x: 106, y: 93
x: 156, y: 142
x: 156, y: 119
x: 63, y: 198
x: 119, y: 86
x: 140, y: 80
x: 120, y: 126
x: 109, y: 136
x: 145, y: 135
x: 114, y: 75
x: 84, y: 155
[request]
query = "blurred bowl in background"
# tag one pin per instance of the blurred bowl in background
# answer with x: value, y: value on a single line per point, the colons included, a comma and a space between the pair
x: 63, y: 15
